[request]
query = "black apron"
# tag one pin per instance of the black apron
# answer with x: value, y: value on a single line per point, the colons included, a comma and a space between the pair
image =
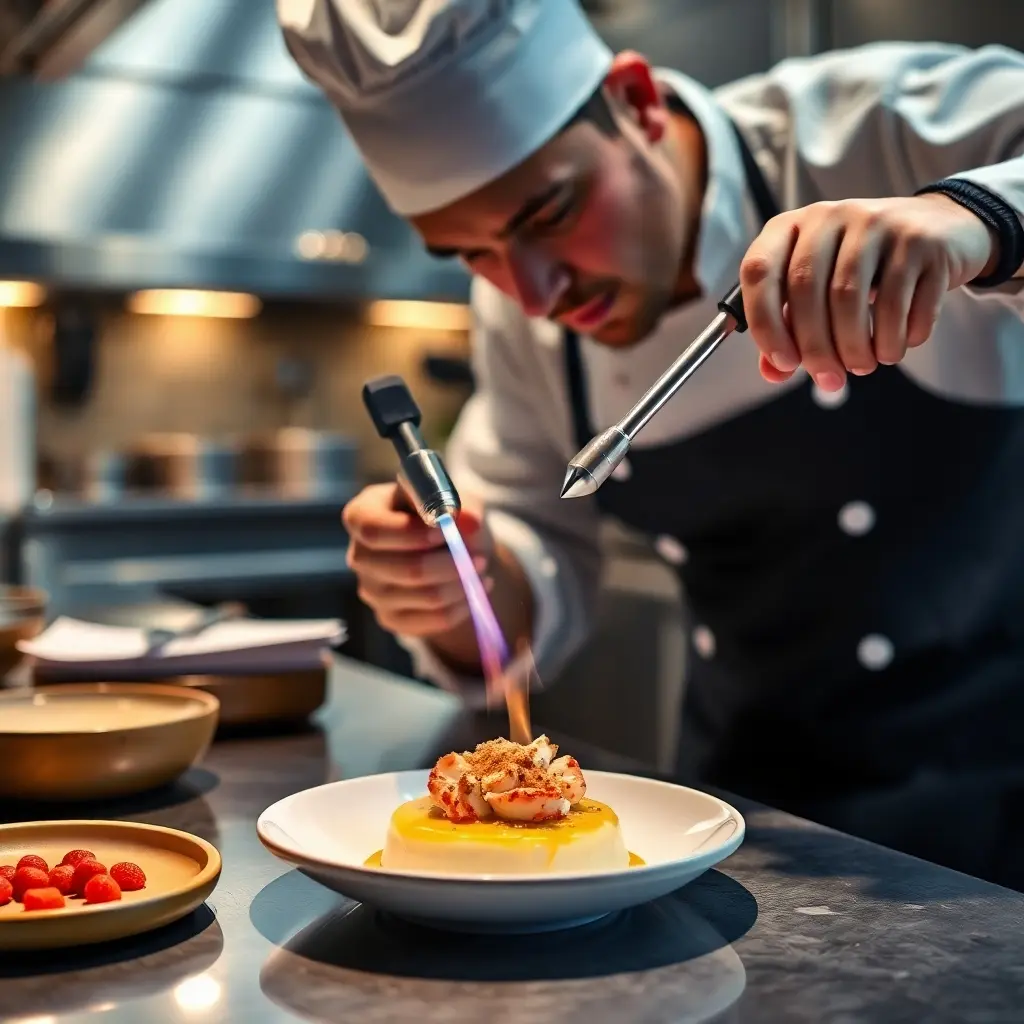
x: 855, y: 577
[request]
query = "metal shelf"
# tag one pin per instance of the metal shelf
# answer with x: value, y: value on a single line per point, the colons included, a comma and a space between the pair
x: 49, y: 512
x: 243, y: 567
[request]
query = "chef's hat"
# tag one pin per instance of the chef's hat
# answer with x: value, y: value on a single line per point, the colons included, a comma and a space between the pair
x: 444, y: 96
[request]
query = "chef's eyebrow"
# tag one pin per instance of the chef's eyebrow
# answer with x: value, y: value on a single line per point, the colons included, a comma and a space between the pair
x: 528, y: 210
x: 531, y: 207
x: 442, y: 252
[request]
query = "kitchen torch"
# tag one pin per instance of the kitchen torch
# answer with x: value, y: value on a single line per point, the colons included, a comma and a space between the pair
x: 422, y: 474
x: 594, y: 464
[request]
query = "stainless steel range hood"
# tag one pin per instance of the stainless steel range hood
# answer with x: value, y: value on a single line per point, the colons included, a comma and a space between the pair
x: 189, y: 152
x: 52, y: 38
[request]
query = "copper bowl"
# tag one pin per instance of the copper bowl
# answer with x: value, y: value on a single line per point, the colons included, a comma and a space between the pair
x: 99, y: 741
x: 247, y: 699
x: 22, y: 617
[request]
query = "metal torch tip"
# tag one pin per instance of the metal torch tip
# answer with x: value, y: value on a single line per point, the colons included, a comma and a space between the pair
x: 578, y: 483
x: 595, y: 463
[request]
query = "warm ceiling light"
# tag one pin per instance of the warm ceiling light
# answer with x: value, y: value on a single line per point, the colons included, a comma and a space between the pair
x: 21, y: 293
x: 336, y: 246
x: 428, y: 316
x: 182, y: 302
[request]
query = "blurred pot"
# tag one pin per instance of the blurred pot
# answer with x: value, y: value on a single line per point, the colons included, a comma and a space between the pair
x: 300, y: 463
x: 182, y: 465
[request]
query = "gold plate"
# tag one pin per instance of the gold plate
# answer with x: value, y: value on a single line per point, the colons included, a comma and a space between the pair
x: 181, y: 871
x: 95, y: 741
x: 245, y: 699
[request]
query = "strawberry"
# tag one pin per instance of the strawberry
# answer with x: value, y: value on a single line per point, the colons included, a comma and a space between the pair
x: 129, y: 876
x: 75, y: 857
x: 7, y: 871
x: 43, y: 899
x: 6, y: 892
x: 84, y: 870
x: 101, y: 889
x: 29, y: 878
x: 62, y: 879
x: 30, y: 860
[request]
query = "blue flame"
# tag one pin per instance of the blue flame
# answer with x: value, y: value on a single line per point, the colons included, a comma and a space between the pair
x: 493, y: 649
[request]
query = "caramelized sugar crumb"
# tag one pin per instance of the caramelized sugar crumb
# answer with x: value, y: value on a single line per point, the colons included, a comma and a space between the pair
x: 502, y: 755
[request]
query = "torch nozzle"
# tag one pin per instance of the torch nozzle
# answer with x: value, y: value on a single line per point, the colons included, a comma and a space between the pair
x: 422, y: 473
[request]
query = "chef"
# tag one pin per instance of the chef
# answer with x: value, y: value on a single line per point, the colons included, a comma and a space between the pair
x: 841, y: 490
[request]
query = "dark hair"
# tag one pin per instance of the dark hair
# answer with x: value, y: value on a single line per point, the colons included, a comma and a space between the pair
x: 595, y: 110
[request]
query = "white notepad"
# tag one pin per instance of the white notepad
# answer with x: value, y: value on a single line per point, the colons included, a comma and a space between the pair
x: 238, y: 643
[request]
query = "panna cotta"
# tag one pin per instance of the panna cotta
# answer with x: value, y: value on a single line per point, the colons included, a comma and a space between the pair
x: 503, y: 809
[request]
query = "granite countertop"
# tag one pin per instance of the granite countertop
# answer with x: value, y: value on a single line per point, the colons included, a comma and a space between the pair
x: 801, y: 924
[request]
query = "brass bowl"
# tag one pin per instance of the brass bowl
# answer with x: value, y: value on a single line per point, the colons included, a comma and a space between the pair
x: 17, y: 599
x: 98, y: 741
x: 247, y: 699
x: 259, y: 699
x: 22, y: 617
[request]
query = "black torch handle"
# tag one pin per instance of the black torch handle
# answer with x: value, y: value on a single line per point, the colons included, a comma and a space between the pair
x: 733, y: 305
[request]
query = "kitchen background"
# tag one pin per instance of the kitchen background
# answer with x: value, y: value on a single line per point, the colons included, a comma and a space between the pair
x: 182, y: 442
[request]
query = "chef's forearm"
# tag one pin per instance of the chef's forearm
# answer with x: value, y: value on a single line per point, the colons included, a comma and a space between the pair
x: 512, y: 599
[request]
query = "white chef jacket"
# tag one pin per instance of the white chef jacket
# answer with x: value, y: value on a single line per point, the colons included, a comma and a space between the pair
x: 876, y: 121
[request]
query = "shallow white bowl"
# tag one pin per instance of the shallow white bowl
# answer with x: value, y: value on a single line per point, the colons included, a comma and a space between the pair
x: 329, y: 831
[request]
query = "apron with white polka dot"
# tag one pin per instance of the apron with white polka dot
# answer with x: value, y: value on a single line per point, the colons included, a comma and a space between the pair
x: 854, y: 569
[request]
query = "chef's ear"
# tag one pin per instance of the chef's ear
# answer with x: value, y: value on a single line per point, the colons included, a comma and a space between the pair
x: 631, y: 83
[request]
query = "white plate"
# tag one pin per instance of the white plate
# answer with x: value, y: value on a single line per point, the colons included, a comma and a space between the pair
x: 329, y: 831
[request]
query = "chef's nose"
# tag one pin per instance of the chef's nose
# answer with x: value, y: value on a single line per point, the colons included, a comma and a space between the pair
x: 538, y: 279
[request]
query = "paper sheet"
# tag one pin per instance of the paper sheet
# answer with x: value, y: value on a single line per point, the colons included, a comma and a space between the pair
x: 239, y: 642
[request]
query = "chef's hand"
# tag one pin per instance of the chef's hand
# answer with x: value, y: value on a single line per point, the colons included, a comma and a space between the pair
x: 406, y: 574
x: 810, y: 277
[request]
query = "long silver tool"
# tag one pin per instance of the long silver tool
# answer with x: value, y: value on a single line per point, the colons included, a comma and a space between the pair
x: 592, y: 466
x: 157, y: 638
x: 422, y: 472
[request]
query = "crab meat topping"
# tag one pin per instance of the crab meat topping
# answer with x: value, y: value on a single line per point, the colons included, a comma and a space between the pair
x: 529, y: 803
x: 508, y: 781
x: 567, y: 770
x: 456, y: 790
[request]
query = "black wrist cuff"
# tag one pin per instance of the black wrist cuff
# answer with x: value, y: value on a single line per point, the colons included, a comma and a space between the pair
x: 998, y: 215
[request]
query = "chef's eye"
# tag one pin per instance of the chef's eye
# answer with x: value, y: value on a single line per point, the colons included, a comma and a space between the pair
x: 557, y: 213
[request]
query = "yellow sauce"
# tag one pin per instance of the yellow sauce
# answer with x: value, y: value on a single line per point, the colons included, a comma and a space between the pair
x: 422, y: 821
x: 419, y: 820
